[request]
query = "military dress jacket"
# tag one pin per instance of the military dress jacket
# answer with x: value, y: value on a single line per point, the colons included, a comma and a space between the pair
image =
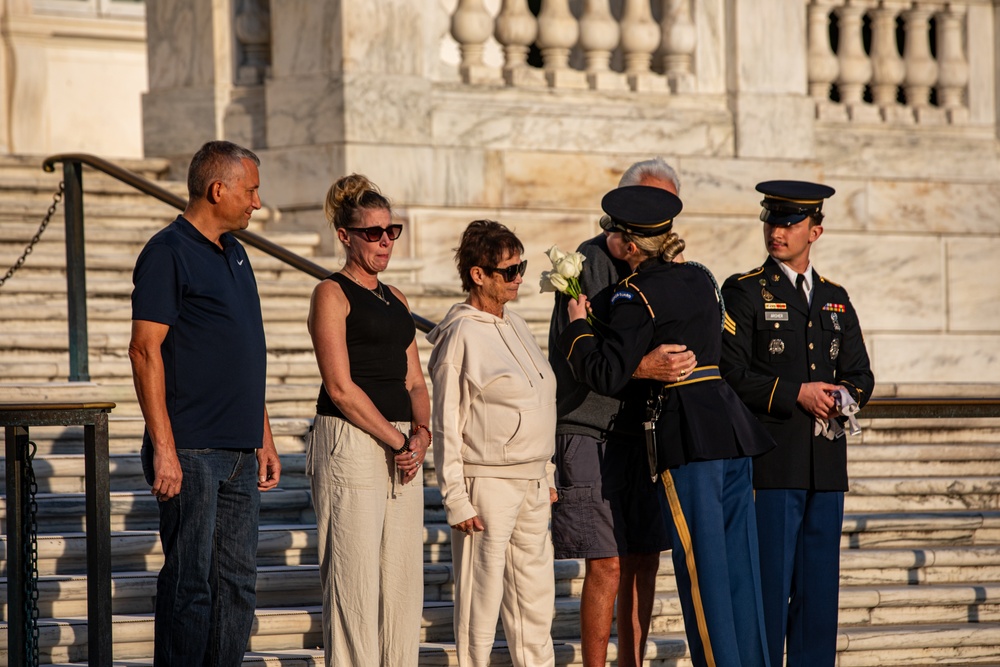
x: 772, y: 344
x: 701, y: 419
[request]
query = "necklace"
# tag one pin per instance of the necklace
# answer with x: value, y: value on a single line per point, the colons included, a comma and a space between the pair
x: 377, y: 292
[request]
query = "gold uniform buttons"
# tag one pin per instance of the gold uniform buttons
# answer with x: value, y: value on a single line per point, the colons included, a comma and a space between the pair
x: 810, y: 346
x: 810, y: 324
x: 777, y: 326
x: 812, y: 366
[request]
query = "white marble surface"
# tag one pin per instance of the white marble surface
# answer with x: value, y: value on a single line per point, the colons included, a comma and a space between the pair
x: 935, y: 358
x: 973, y: 284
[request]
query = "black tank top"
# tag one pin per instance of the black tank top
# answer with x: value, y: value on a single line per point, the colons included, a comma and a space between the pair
x: 377, y: 338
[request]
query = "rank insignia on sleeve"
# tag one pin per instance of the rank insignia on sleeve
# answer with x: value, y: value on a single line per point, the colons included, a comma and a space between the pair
x: 835, y: 307
x: 775, y: 306
x: 729, y: 324
x: 622, y: 294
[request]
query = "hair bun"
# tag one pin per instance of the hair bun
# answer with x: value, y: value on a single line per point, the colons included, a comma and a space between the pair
x: 347, y: 195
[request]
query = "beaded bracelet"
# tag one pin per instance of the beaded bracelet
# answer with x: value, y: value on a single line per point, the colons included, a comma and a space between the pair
x: 430, y: 436
x: 404, y: 448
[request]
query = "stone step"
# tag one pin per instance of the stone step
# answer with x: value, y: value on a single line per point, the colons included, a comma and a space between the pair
x: 886, y: 494
x: 920, y: 529
x: 137, y: 549
x: 133, y: 510
x: 280, y: 370
x: 125, y: 436
x: 296, y: 585
x: 287, y: 400
x: 882, y: 646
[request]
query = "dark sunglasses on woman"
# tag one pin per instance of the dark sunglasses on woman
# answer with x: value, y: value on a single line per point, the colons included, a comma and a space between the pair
x: 373, y: 234
x: 508, y: 272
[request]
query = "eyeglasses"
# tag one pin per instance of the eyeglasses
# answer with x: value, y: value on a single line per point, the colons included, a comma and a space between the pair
x: 508, y: 272
x: 373, y: 234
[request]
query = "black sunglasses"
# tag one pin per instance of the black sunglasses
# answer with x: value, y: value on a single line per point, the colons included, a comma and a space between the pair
x: 508, y: 272
x: 373, y: 234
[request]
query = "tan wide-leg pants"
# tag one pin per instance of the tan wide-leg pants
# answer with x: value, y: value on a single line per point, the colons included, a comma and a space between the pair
x: 505, y: 570
x: 370, y: 535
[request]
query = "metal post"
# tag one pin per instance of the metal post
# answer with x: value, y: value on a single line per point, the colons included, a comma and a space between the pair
x: 17, y: 639
x: 99, y: 642
x: 76, y: 273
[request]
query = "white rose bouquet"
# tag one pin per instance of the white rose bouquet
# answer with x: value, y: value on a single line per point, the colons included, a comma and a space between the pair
x: 565, y: 274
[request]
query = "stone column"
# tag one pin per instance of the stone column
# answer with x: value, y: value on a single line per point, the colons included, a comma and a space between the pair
x: 349, y: 91
x: 191, y: 70
x: 768, y: 86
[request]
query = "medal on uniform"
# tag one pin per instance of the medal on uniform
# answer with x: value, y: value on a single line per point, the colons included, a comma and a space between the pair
x: 836, y: 321
x: 777, y: 346
x: 834, y: 348
x: 766, y: 295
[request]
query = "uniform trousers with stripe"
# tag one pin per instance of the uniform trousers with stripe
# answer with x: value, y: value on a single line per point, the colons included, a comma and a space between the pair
x: 506, y: 570
x: 800, y: 573
x: 715, y: 561
x: 370, y: 534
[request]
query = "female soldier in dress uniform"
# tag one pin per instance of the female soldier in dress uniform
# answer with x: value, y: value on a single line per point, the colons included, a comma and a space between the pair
x: 704, y: 435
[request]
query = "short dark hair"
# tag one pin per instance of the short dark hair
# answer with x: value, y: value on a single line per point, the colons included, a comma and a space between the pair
x: 484, y: 243
x: 215, y: 161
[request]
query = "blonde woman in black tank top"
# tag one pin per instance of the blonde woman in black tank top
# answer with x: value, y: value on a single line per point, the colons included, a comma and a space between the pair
x: 368, y: 442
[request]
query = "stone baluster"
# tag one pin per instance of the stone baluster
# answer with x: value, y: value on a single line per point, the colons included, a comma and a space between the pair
x: 640, y: 39
x: 679, y: 42
x: 855, y: 66
x: 953, y: 67
x: 921, y: 68
x: 471, y: 26
x: 887, y: 65
x: 599, y: 35
x: 253, y: 34
x: 558, y: 31
x: 823, y: 66
x: 516, y: 28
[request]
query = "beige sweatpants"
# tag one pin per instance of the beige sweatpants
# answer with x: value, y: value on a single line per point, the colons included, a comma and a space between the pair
x: 505, y: 570
x: 370, y: 532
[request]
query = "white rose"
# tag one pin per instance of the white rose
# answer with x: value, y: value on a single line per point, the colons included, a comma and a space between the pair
x: 555, y: 254
x: 559, y: 282
x: 545, y: 282
x: 566, y: 268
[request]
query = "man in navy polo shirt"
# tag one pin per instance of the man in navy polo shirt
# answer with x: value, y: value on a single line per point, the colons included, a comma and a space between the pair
x: 198, y: 363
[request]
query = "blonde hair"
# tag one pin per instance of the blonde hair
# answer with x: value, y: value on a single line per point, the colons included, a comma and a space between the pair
x: 348, y: 196
x: 666, y: 246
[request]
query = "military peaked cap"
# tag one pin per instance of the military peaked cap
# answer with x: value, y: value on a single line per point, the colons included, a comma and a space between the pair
x: 788, y: 202
x: 640, y: 210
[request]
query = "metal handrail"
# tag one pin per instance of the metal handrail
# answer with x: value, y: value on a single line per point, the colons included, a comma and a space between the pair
x: 76, y: 263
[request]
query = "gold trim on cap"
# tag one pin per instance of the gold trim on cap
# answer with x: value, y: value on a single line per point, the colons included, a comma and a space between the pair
x: 804, y: 202
x: 636, y: 225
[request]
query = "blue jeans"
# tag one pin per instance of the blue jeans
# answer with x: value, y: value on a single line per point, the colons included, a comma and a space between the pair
x: 206, y: 590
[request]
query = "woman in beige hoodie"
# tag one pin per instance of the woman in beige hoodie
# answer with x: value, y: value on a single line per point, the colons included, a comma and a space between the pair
x: 494, y: 420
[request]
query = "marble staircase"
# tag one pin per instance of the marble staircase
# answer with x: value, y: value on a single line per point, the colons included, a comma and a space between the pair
x: 921, y: 540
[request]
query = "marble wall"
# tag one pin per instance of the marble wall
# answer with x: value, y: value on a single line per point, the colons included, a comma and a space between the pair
x: 70, y: 83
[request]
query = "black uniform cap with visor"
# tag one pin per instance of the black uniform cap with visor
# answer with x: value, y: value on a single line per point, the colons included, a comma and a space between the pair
x: 640, y: 210
x: 789, y: 202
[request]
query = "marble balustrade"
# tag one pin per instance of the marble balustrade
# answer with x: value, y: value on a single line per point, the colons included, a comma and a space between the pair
x: 892, y: 61
x: 637, y: 50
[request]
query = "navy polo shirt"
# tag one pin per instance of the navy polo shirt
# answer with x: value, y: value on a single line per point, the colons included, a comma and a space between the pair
x: 214, y: 355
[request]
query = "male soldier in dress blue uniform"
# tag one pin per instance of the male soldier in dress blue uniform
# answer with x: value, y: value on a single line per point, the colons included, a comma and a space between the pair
x: 791, y: 342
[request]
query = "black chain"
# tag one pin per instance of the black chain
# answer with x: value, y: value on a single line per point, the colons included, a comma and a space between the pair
x: 29, y: 555
x: 56, y: 198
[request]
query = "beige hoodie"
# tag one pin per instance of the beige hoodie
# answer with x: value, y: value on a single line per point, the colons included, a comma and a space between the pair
x: 494, y: 412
